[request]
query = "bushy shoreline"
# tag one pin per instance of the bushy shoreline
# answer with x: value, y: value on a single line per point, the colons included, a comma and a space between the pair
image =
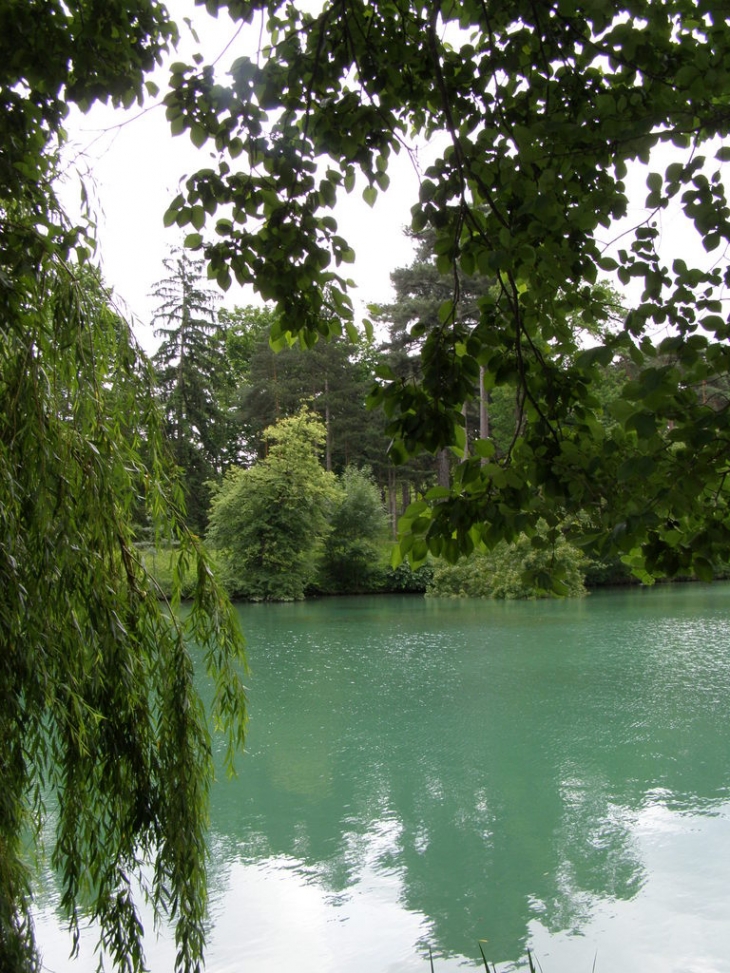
x: 382, y: 578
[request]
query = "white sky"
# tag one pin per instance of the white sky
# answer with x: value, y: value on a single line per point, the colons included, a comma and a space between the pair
x: 135, y: 167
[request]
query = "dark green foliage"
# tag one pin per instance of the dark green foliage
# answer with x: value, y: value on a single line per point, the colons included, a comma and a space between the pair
x: 542, y: 107
x: 330, y: 381
x: 609, y: 571
x: 545, y: 565
x: 420, y: 292
x: 358, y: 525
x: 406, y: 580
x: 194, y: 380
x: 244, y: 328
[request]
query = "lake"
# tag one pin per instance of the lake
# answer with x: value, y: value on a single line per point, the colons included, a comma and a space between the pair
x: 428, y: 774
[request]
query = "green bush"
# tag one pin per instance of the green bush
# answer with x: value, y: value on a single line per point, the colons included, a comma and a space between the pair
x: 269, y: 521
x: 404, y: 579
x: 358, y: 525
x: 608, y: 571
x: 543, y: 566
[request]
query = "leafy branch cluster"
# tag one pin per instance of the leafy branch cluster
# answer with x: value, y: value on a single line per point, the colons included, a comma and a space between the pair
x: 103, y: 739
x: 544, y: 107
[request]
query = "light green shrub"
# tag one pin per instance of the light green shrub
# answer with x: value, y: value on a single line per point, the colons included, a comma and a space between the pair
x: 543, y: 566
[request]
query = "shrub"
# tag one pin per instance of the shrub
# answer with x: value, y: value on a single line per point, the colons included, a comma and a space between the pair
x: 358, y: 523
x: 543, y: 566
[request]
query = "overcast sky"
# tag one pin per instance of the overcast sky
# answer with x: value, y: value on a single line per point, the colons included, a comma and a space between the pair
x: 134, y: 167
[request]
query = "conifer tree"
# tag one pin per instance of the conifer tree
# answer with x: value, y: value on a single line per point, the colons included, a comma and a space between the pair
x: 192, y: 376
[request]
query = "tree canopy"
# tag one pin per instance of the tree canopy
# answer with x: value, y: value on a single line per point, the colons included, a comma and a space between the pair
x: 270, y: 518
x: 192, y: 379
x: 541, y: 110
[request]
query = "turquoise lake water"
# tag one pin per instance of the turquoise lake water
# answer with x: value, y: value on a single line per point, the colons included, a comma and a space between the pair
x: 423, y: 775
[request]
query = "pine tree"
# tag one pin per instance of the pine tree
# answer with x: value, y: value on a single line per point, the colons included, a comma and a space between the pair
x: 191, y: 371
x: 423, y: 298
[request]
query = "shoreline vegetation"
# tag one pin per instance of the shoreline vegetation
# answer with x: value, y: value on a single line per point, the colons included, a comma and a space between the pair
x: 286, y: 528
x: 495, y: 577
x: 383, y: 579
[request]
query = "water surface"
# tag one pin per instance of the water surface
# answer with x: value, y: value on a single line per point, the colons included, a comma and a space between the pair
x: 425, y: 774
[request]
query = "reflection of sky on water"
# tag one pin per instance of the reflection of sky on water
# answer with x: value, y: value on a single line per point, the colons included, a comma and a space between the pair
x: 684, y: 904
x: 684, y: 858
x: 552, y: 777
x: 317, y: 927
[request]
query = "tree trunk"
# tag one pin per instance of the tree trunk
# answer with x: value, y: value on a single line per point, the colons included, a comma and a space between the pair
x: 484, y: 430
x: 327, y: 427
x: 443, y: 474
x: 392, y: 502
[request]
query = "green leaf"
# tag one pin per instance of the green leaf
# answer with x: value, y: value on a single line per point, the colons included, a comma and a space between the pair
x: 638, y: 467
x: 460, y: 439
x: 437, y: 493
x: 178, y: 124
x: 711, y: 241
x: 644, y: 423
x: 198, y: 135
x: 484, y: 448
x: 598, y: 355
x: 384, y: 371
x: 713, y: 322
x: 655, y: 181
